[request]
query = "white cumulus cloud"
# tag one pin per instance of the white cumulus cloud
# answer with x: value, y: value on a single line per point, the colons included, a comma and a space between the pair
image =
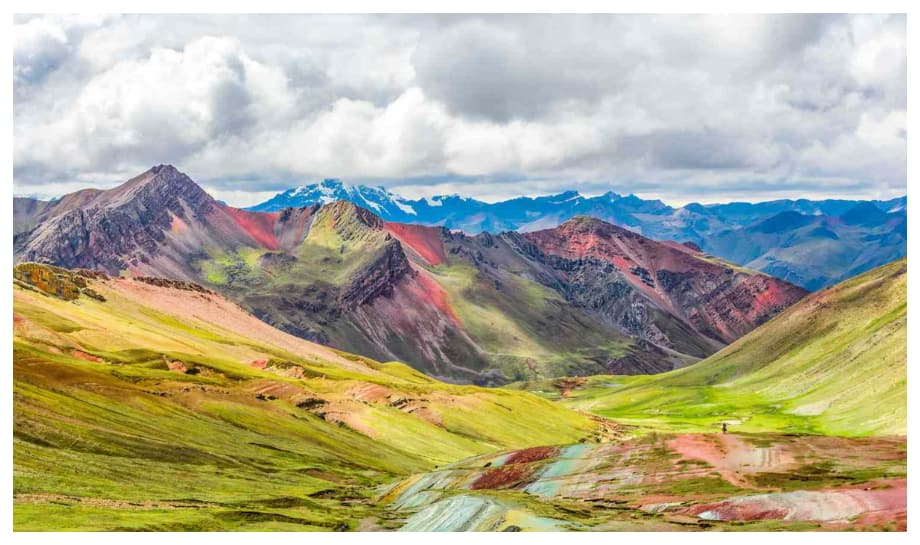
x: 682, y: 107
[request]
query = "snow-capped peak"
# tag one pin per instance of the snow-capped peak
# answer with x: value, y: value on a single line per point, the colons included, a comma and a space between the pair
x: 377, y: 199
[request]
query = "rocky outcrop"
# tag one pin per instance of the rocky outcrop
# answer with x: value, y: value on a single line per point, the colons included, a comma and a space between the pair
x: 174, y: 284
x: 61, y: 283
x: 379, y: 278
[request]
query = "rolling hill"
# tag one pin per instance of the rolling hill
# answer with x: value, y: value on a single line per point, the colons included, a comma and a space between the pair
x: 152, y: 404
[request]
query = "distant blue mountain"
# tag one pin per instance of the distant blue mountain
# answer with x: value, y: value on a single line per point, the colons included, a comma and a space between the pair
x: 811, y: 243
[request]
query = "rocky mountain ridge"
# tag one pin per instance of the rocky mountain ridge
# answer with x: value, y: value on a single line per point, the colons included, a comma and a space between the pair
x: 581, y: 298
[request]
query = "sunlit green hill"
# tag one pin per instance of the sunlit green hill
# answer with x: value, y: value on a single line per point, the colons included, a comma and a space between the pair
x: 834, y: 363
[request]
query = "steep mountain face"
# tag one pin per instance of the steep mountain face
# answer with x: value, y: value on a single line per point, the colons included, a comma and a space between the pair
x: 873, y: 236
x: 713, y: 299
x: 584, y: 298
x: 495, y: 308
x: 159, y: 404
x: 144, y: 225
x: 834, y: 363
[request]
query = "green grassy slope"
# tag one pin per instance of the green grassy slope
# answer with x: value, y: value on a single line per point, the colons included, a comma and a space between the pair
x: 834, y: 363
x: 152, y: 410
x: 526, y: 329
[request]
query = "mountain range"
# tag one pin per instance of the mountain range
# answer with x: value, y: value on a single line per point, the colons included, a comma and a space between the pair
x: 584, y: 297
x: 812, y: 243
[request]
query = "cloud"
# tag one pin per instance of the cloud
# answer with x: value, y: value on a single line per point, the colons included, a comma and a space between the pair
x: 42, y: 44
x: 172, y: 104
x: 683, y: 107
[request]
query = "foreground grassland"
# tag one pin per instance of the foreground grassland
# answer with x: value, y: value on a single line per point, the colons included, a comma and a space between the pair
x: 166, y: 408
x: 667, y: 482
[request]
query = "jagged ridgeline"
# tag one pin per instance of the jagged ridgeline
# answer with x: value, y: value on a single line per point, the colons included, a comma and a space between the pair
x: 582, y: 298
x: 160, y: 405
x: 813, y: 244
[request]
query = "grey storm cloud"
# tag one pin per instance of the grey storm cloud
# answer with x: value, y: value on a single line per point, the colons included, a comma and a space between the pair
x: 679, y: 107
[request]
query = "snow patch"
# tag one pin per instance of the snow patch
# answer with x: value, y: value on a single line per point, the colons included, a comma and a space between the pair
x: 405, y: 207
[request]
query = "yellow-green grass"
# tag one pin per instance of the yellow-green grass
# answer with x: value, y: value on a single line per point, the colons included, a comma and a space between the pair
x: 527, y: 330
x: 125, y: 443
x: 835, y: 363
x: 338, y: 245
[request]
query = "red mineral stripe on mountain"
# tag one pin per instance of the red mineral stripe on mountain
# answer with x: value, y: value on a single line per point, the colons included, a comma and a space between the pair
x: 426, y: 241
x: 433, y: 292
x: 258, y: 225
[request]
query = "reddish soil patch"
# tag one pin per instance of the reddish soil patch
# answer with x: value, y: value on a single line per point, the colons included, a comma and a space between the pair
x: 884, y: 519
x: 258, y: 225
x: 371, y: 393
x: 425, y: 240
x: 427, y: 289
x: 874, y: 503
x: 506, y: 476
x: 79, y: 354
x: 731, y: 456
x: 259, y: 364
x: 566, y: 385
x: 533, y: 454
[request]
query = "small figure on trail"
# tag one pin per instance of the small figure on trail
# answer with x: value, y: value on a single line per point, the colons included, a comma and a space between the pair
x: 724, y: 428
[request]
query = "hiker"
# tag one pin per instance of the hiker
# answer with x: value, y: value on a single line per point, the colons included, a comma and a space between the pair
x: 724, y: 427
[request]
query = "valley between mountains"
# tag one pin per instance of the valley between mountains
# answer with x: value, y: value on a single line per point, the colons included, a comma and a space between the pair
x: 180, y: 364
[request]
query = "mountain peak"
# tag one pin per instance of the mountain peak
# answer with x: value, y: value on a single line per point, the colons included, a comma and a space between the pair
x: 587, y: 223
x: 377, y: 199
x: 565, y: 196
x: 784, y: 221
x: 161, y: 182
x: 342, y: 213
x: 166, y: 170
x: 865, y: 214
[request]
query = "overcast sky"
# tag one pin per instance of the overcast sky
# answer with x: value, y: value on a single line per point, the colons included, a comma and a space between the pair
x: 682, y: 108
